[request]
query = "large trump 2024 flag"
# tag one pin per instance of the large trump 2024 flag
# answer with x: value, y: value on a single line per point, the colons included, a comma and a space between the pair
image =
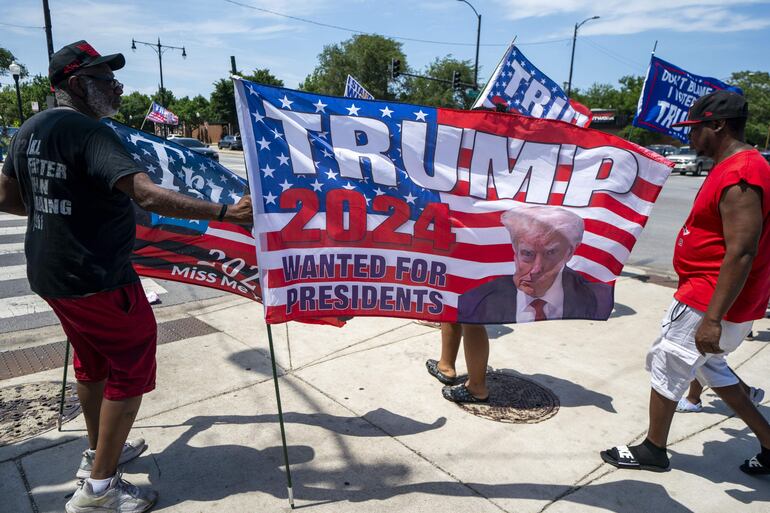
x: 389, y: 209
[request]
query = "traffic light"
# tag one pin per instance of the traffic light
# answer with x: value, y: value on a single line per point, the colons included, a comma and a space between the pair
x: 395, y: 68
x: 456, y: 81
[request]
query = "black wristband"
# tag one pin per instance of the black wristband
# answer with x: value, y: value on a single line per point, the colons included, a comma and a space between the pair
x: 222, y: 212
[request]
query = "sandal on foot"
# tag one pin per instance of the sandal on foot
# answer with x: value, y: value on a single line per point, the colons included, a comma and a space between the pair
x: 461, y: 394
x: 434, y: 371
x: 685, y: 406
x: 754, y: 467
x: 621, y: 457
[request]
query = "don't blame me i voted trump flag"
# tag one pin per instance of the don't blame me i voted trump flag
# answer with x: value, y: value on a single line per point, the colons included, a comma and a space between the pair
x: 667, y: 95
x: 388, y: 209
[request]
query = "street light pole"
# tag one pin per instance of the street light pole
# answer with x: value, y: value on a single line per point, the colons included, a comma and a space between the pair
x: 15, y: 70
x: 159, y: 49
x: 478, y: 41
x: 572, y: 59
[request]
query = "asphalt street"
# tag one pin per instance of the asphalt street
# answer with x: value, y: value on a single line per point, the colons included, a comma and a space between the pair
x: 21, y: 309
x: 655, y: 248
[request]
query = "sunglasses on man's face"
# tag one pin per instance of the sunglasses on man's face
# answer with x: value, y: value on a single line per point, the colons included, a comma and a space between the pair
x: 114, y: 83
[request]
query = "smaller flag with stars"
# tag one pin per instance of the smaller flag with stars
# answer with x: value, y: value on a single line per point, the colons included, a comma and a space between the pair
x: 160, y: 114
x: 522, y: 88
x: 354, y: 89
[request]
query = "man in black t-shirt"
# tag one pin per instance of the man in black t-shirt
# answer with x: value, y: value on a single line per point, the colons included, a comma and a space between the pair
x: 72, y: 178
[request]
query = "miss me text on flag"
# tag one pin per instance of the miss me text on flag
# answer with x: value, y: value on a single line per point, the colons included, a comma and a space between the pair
x: 212, y: 254
x: 390, y: 209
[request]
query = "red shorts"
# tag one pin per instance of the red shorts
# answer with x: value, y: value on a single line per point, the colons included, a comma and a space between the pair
x: 113, y: 334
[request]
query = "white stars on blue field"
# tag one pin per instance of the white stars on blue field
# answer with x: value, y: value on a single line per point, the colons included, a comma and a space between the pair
x: 277, y: 174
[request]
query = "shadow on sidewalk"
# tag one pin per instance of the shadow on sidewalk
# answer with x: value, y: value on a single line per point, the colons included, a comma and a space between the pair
x: 571, y: 395
x: 720, y: 461
x: 185, y: 472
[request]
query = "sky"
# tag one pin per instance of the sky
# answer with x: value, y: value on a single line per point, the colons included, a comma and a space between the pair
x: 705, y: 37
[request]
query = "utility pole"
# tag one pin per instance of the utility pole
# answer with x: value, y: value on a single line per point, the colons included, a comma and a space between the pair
x: 572, y: 59
x: 48, y: 33
x: 478, y: 41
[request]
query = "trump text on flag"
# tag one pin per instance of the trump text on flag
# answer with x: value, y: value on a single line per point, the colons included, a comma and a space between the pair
x: 378, y: 208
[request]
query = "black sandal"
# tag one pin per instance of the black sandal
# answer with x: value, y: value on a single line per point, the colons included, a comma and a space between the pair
x: 755, y: 467
x: 433, y: 370
x: 621, y: 457
x: 461, y: 394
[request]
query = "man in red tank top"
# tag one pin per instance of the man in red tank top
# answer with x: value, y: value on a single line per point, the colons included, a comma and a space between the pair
x: 722, y: 258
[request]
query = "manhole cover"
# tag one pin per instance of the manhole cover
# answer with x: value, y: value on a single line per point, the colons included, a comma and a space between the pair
x: 515, y: 400
x: 30, y: 409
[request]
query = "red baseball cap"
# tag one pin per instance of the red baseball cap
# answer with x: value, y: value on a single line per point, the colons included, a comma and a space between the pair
x: 79, y: 55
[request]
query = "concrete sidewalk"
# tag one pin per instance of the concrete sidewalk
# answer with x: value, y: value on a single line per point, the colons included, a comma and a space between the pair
x: 368, y: 430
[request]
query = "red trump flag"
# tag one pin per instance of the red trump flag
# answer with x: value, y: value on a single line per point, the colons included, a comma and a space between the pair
x: 380, y: 208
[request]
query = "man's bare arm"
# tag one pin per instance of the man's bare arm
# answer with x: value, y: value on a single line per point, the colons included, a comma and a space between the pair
x: 10, y: 196
x: 741, y: 211
x: 162, y: 201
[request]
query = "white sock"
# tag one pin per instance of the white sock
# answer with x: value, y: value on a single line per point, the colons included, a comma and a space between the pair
x: 99, y: 485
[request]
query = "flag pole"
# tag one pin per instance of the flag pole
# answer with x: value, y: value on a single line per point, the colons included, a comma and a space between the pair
x: 486, y: 86
x: 280, y: 417
x: 63, y: 385
x: 145, y: 118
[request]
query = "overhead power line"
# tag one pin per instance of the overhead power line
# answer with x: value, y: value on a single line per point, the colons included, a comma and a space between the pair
x: 20, y: 26
x: 402, y: 38
x: 616, y: 56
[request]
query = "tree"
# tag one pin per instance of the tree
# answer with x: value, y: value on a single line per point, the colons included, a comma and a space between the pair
x: 164, y: 97
x: 366, y: 57
x: 607, y: 96
x: 191, y: 111
x: 222, y: 100
x: 441, y: 94
x: 263, y: 76
x: 32, y: 90
x: 756, y: 88
x: 133, y: 109
x: 6, y: 58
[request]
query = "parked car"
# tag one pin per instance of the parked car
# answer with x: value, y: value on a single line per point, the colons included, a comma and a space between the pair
x: 663, y: 149
x: 688, y: 160
x: 197, y: 146
x: 766, y: 154
x: 232, y: 142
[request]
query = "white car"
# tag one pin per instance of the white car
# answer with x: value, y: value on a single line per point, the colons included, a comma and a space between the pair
x: 687, y: 160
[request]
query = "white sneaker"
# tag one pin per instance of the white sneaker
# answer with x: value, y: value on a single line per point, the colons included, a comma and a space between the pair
x: 756, y: 395
x: 131, y: 449
x: 685, y: 406
x: 120, y: 497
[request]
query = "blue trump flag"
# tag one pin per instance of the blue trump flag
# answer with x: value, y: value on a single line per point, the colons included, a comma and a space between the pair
x: 354, y: 89
x: 668, y: 94
x: 523, y: 88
